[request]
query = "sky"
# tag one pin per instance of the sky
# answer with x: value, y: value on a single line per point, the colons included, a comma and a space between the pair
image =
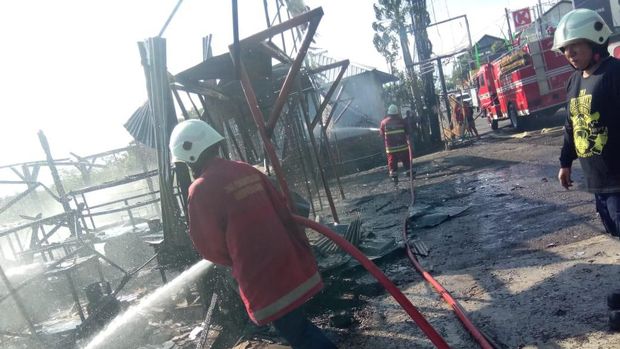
x: 72, y: 68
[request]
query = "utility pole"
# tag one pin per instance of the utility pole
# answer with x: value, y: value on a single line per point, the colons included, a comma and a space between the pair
x: 416, y: 102
x: 444, y: 90
x: 540, y: 14
x: 468, y: 32
x: 508, y: 21
x: 420, y: 21
x: 404, y: 44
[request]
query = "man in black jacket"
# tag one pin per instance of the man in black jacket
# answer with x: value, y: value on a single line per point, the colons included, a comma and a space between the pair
x: 592, y: 130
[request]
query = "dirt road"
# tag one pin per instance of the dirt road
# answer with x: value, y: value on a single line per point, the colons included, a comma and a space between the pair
x: 528, y: 260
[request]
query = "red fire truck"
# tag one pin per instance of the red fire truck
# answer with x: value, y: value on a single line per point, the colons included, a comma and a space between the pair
x: 529, y: 80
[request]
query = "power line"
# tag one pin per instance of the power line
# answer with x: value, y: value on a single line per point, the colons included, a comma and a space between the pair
x: 448, y: 13
x: 435, y: 18
x: 492, y: 24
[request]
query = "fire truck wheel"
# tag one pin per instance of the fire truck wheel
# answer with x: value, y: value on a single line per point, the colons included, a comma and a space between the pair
x: 514, y: 117
x: 494, y: 124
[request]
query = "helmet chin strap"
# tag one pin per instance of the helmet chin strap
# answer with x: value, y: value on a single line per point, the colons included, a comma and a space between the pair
x: 596, y: 57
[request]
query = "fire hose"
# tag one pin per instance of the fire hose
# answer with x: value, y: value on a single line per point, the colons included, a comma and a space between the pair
x: 404, y: 302
x: 456, y: 307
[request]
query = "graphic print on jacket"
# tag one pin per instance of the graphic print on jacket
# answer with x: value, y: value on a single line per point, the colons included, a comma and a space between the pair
x: 590, y: 137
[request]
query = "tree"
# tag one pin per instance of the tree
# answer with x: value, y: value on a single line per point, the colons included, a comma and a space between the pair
x: 500, y: 47
x: 399, y: 91
x: 390, y: 37
x: 461, y: 70
x: 390, y: 31
x: 391, y: 34
x: 387, y: 47
x: 450, y: 85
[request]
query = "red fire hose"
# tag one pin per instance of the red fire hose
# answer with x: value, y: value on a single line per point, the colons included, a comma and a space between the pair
x: 456, y: 307
x: 415, y: 315
x: 458, y: 310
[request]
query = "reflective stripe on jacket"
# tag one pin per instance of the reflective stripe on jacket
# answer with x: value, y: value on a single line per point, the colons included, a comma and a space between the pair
x: 394, y: 132
x: 390, y: 150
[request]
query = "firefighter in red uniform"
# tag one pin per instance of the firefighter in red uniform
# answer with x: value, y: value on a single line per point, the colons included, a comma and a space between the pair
x: 238, y: 219
x: 395, y: 133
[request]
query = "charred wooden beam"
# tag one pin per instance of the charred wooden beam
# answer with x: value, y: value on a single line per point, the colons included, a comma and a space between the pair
x: 257, y: 114
x: 274, y: 51
x: 295, y: 67
x: 321, y: 168
x: 312, y: 18
x: 343, y: 68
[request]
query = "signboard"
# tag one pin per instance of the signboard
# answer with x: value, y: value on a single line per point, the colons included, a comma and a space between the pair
x: 608, y: 9
x: 615, y: 12
x: 521, y: 17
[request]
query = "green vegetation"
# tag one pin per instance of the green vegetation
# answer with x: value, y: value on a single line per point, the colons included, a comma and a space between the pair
x: 390, y: 40
x: 460, y: 72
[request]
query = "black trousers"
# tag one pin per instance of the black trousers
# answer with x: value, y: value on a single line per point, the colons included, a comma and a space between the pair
x: 608, y: 208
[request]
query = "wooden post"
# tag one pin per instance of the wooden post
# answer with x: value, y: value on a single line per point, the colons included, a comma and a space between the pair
x: 57, y: 182
x: 153, y: 54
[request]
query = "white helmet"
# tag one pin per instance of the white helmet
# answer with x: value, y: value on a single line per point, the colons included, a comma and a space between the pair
x: 190, y: 138
x: 580, y: 24
x: 392, y: 109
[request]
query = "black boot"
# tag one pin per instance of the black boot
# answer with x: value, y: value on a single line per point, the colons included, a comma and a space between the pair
x: 613, y: 303
x: 394, y: 178
x: 614, y: 320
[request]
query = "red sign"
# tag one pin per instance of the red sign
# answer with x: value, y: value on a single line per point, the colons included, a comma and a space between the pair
x: 521, y: 17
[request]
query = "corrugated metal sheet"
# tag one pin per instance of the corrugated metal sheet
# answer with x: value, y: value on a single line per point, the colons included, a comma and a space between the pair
x: 140, y: 126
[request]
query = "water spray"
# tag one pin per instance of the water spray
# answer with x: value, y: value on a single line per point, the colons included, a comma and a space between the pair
x: 122, y: 331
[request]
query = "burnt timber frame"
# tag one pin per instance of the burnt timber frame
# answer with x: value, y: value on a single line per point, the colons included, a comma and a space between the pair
x: 343, y: 65
x: 315, y: 149
x: 153, y: 55
x: 312, y: 18
x: 20, y: 306
x: 70, y: 220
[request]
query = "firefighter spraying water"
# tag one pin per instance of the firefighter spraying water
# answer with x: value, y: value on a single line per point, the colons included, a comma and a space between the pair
x: 395, y: 133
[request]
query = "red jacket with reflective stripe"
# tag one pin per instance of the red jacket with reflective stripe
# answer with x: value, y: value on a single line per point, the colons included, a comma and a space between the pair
x: 394, y: 132
x: 237, y: 218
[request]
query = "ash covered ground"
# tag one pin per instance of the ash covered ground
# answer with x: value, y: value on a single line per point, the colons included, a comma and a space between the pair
x: 528, y: 260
